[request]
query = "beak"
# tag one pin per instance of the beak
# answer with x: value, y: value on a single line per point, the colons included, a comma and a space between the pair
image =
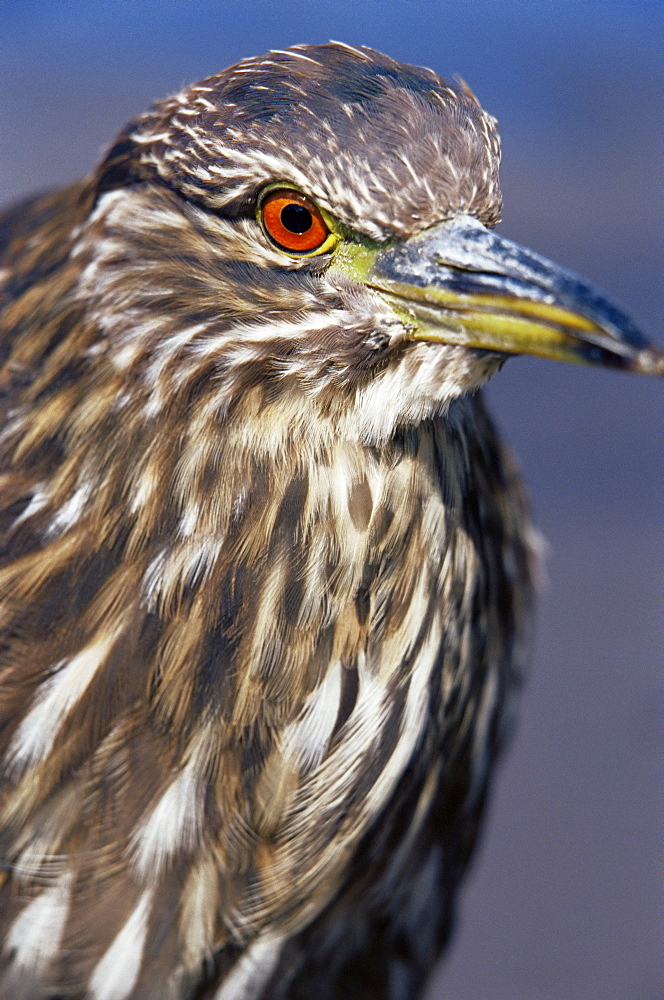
x: 460, y: 283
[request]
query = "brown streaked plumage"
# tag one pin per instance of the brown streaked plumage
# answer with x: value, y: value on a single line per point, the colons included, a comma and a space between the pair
x: 265, y: 569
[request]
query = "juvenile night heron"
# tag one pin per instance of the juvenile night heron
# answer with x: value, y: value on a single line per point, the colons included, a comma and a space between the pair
x: 266, y: 569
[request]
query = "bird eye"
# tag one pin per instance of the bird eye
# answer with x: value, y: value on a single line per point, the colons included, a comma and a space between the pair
x: 293, y: 222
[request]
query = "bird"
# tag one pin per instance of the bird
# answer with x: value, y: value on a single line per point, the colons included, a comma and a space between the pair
x: 267, y: 571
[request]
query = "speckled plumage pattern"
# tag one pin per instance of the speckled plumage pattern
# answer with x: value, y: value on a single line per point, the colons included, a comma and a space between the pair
x: 266, y: 570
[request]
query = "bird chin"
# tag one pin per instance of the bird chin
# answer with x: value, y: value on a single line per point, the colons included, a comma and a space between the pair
x: 428, y: 378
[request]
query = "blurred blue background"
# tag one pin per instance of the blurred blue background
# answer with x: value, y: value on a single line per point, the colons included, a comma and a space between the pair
x: 564, y: 900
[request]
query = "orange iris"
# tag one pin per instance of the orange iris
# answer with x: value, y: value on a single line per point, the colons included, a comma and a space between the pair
x: 293, y: 221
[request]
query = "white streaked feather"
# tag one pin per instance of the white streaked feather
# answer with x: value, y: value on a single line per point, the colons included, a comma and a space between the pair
x: 340, y: 769
x: 190, y: 519
x: 116, y: 973
x: 69, y: 512
x: 171, y: 825
x: 54, y: 699
x: 199, y: 560
x: 36, y: 933
x: 174, y: 823
x: 307, y: 738
x: 413, y: 721
x: 38, y: 500
x: 153, y: 577
x: 251, y: 973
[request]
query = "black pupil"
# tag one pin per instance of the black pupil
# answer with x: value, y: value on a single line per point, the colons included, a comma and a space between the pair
x: 296, y: 218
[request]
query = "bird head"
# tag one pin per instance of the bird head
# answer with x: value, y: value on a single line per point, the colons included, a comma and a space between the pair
x: 316, y: 225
